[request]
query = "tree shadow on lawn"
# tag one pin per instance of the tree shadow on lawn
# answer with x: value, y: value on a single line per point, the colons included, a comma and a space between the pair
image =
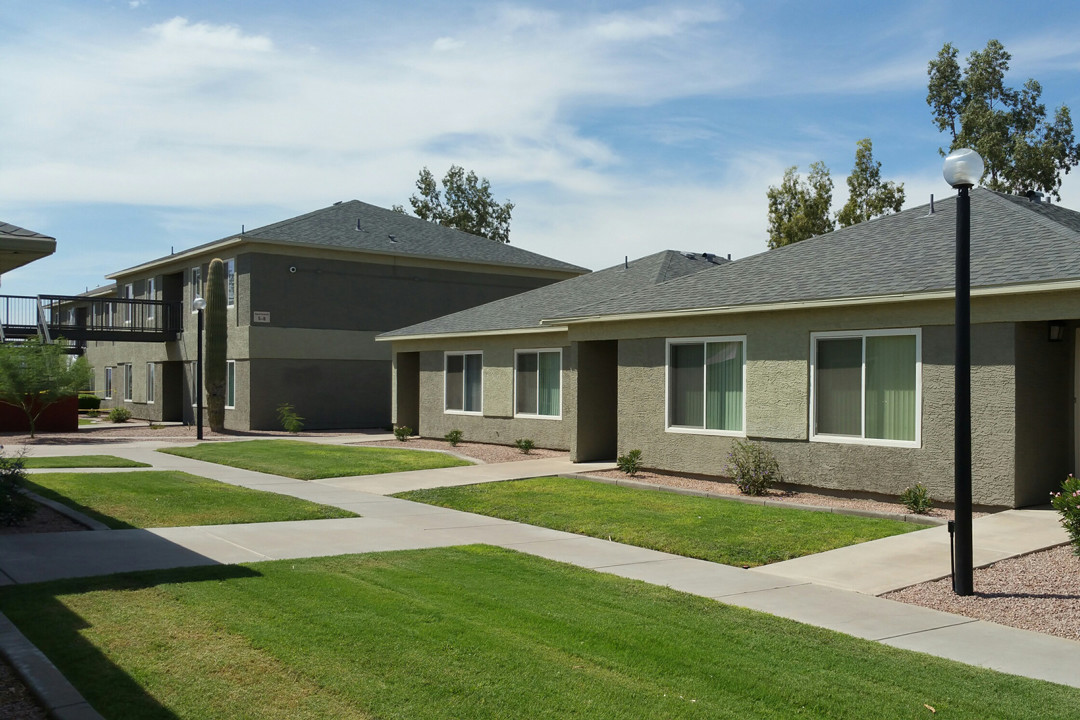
x: 41, y: 615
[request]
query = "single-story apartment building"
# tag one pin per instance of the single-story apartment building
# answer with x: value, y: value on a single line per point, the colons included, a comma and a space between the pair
x: 836, y: 353
x: 306, y: 298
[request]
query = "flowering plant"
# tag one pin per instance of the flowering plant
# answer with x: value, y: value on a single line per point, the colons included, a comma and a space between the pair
x: 1067, y: 502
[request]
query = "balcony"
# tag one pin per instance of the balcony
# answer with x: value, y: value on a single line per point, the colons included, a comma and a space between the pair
x: 79, y: 319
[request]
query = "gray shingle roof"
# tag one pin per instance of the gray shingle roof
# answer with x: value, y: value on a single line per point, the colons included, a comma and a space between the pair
x: 355, y: 225
x: 7, y: 230
x: 1013, y: 241
x: 529, y: 308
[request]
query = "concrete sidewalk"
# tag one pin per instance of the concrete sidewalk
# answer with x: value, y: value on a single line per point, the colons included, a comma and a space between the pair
x: 814, y: 592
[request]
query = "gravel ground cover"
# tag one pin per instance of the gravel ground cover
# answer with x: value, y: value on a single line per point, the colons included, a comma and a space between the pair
x: 1038, y: 592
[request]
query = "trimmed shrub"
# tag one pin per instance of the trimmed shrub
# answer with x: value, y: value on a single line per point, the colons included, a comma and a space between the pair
x: 89, y: 402
x: 402, y: 432
x: 629, y: 463
x: 525, y: 445
x: 753, y: 467
x: 1067, y: 503
x: 453, y: 437
x: 15, y: 506
x: 290, y: 421
x: 119, y: 415
x: 917, y: 499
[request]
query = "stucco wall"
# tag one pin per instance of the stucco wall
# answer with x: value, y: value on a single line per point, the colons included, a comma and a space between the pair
x: 497, y: 424
x: 326, y: 393
x: 1043, y: 412
x: 777, y: 401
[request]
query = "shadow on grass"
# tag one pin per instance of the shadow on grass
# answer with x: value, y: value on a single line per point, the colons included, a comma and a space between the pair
x: 40, y: 614
x: 90, y: 512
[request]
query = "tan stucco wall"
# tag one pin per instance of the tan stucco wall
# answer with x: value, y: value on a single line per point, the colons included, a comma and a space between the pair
x: 497, y: 424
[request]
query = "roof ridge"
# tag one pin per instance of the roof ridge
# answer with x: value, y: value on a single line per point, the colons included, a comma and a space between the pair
x: 1058, y: 227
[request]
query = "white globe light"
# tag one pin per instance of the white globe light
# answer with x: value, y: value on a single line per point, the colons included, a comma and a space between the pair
x: 963, y: 168
x: 199, y: 304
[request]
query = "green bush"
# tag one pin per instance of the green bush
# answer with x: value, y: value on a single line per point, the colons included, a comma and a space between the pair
x: 753, y: 467
x: 89, y: 402
x: 119, y: 415
x: 917, y: 499
x: 93, y: 413
x: 1067, y: 503
x: 629, y: 463
x: 525, y: 445
x: 453, y: 437
x: 290, y: 421
x: 402, y: 432
x: 15, y: 506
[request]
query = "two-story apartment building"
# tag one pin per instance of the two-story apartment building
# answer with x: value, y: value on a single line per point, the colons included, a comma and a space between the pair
x: 307, y: 296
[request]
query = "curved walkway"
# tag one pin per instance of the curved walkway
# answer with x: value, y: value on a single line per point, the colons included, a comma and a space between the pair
x: 835, y: 590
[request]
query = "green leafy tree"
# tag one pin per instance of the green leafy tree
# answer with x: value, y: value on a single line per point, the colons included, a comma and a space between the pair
x: 464, y: 203
x: 799, y: 209
x: 1022, y: 148
x: 868, y: 196
x: 34, y: 375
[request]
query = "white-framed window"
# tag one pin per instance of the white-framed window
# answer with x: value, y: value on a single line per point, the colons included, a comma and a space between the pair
x: 230, y: 384
x: 129, y: 294
x: 196, y: 284
x: 706, y: 385
x: 538, y: 383
x: 230, y: 281
x: 108, y: 383
x: 464, y: 386
x: 151, y: 294
x: 151, y: 390
x: 866, y: 387
x: 128, y: 382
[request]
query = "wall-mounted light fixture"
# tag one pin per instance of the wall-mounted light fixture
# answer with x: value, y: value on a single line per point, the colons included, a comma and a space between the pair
x: 1057, y: 331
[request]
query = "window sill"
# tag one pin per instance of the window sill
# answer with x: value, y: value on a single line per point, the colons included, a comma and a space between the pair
x: 873, y: 442
x: 703, y: 431
x: 525, y: 416
x: 474, y: 413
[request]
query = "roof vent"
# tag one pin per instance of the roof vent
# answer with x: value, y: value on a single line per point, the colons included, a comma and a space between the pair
x: 710, y: 258
x: 689, y: 256
x: 338, y: 202
x: 931, y: 204
x: 393, y: 238
x: 1034, y: 196
x: 358, y: 226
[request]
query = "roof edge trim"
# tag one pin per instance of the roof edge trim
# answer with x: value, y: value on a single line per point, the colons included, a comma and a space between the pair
x: 475, y: 333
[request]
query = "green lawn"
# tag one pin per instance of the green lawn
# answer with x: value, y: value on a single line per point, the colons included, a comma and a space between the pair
x: 310, y: 461
x: 474, y: 632
x: 153, y: 498
x: 82, y: 461
x: 718, y: 530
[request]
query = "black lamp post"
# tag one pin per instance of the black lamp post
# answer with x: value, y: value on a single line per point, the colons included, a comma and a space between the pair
x: 199, y: 304
x: 963, y: 168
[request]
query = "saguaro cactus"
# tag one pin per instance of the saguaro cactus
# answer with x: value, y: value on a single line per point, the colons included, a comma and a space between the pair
x: 216, y: 341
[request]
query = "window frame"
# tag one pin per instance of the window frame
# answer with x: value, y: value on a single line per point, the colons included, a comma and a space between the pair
x: 230, y: 384
x: 129, y: 383
x: 537, y: 415
x: 862, y: 439
x: 196, y: 286
x: 464, y: 376
x: 151, y: 294
x: 108, y: 382
x: 129, y: 294
x: 230, y: 282
x: 151, y: 378
x: 668, y: 426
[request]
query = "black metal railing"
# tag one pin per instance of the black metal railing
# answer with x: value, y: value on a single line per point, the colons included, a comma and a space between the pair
x: 80, y: 318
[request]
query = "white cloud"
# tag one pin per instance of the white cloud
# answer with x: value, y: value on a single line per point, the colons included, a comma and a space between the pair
x: 446, y: 44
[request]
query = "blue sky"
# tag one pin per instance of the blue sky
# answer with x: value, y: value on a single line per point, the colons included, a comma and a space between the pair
x: 616, y: 128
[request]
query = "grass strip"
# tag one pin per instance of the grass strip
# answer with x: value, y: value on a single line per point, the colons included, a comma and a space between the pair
x: 82, y: 461
x: 474, y: 632
x: 706, y: 528
x: 161, y: 498
x: 311, y: 461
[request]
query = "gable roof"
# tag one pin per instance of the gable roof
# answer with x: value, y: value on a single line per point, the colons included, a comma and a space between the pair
x: 20, y: 246
x: 358, y: 226
x: 1014, y: 241
x: 525, y: 311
